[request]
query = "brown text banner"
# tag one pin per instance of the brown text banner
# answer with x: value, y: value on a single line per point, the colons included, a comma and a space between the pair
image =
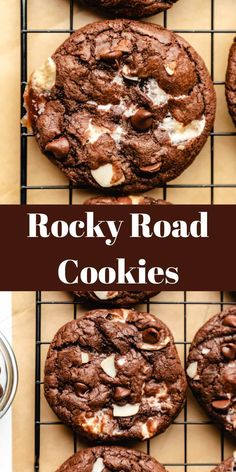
x: 169, y: 247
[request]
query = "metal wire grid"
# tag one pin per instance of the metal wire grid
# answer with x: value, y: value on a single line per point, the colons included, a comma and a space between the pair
x: 70, y: 187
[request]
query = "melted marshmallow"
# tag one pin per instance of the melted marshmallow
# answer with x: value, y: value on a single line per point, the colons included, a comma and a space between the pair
x: 178, y: 133
x: 156, y: 94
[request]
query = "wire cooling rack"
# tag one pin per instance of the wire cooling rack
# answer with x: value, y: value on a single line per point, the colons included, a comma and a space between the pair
x: 185, y: 464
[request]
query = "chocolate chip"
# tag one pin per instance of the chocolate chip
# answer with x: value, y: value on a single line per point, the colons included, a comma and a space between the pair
x: 1, y: 391
x: 111, y: 55
x: 80, y: 388
x: 151, y: 168
x: 59, y: 147
x: 221, y: 404
x: 150, y: 336
x: 121, y: 392
x: 229, y: 320
x: 229, y: 351
x: 230, y: 377
x: 142, y: 119
x: 151, y: 388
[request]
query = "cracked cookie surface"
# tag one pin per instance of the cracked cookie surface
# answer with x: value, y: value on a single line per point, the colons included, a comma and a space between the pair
x: 122, y: 106
x: 98, y: 459
x: 131, y: 8
x: 114, y: 375
x: 211, y: 370
x: 230, y: 84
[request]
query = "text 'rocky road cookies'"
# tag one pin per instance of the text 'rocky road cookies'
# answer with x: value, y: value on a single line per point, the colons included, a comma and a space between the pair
x: 121, y: 106
x: 211, y: 368
x: 115, y: 374
x: 131, y: 8
x: 99, y: 459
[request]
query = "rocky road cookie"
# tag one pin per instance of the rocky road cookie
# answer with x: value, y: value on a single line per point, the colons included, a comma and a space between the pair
x: 121, y: 106
x: 212, y: 368
x: 98, y: 459
x: 231, y: 82
x: 115, y: 374
x: 131, y: 8
x: 227, y: 466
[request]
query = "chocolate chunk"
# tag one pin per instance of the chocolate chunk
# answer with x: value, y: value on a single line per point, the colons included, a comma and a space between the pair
x: 230, y: 320
x: 59, y: 147
x: 142, y: 120
x: 221, y: 404
x: 152, y: 168
x: 121, y: 392
x: 229, y: 351
x: 80, y: 388
x: 150, y: 336
x: 111, y: 55
x: 1, y: 391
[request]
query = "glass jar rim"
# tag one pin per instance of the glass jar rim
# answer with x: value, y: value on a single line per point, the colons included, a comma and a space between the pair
x: 11, y: 375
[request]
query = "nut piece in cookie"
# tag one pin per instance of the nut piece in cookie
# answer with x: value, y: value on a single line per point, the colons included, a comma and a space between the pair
x: 131, y: 384
x: 211, y: 369
x: 121, y: 106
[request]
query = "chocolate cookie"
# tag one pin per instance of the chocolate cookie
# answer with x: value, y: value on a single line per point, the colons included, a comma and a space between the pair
x: 230, y: 85
x: 121, y: 106
x: 212, y: 368
x: 132, y: 8
x: 98, y: 459
x: 111, y: 298
x: 114, y: 375
x: 227, y: 466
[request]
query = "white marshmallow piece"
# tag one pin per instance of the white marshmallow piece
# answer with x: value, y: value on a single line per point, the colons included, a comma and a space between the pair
x: 44, y: 78
x: 178, y: 133
x: 157, y: 95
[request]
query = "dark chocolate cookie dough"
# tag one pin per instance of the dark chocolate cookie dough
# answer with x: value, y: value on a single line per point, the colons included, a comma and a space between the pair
x: 228, y: 465
x: 231, y: 82
x: 121, y: 106
x: 131, y: 8
x: 212, y: 368
x: 115, y: 374
x: 99, y: 459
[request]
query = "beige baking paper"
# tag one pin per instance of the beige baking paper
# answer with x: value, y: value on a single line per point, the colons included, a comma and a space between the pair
x: 202, y: 441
